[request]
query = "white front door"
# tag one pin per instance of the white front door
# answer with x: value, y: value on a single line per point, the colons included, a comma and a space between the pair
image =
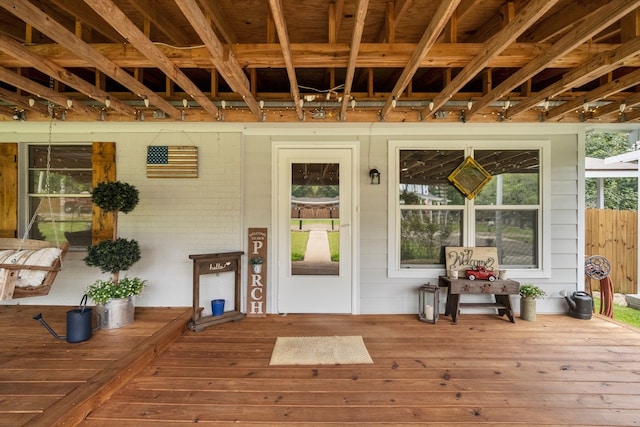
x: 315, y: 219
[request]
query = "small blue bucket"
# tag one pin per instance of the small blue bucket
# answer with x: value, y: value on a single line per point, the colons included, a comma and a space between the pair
x: 217, y: 307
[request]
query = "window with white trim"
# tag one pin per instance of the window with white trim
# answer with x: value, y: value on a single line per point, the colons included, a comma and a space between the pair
x: 429, y: 213
x: 59, y: 198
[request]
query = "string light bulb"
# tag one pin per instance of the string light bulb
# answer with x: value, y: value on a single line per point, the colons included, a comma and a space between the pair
x: 261, y: 104
x: 185, y: 103
x: 431, y: 105
x: 146, y: 101
x: 107, y: 102
x: 394, y: 102
x: 585, y: 106
x: 353, y: 103
x: 69, y: 103
x: 546, y: 103
x: 469, y: 105
x: 32, y: 102
x: 223, y: 104
x: 623, y: 106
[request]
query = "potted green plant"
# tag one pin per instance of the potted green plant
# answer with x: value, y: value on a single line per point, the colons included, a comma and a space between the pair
x: 529, y: 293
x: 114, y: 297
x: 256, y: 263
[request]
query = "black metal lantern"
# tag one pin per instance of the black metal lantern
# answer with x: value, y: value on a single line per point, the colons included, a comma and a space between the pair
x: 428, y: 303
x: 374, y: 174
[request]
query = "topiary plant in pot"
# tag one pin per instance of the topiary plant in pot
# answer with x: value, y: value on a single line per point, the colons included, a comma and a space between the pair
x: 114, y: 297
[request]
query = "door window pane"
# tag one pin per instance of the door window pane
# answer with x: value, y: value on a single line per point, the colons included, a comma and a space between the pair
x: 315, y: 219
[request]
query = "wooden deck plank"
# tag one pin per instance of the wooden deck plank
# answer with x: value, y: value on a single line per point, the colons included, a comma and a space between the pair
x: 282, y: 415
x: 382, y: 398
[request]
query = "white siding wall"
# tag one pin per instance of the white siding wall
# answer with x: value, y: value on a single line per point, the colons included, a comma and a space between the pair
x: 233, y: 192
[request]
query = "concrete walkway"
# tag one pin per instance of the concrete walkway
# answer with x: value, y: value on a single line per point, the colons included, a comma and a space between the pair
x: 318, y: 247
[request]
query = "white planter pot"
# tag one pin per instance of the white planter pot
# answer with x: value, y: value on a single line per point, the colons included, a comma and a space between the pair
x: 528, y: 309
x: 257, y: 268
x: 116, y: 313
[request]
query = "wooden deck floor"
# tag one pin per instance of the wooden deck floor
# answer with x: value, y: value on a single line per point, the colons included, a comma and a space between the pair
x: 482, y: 371
x: 45, y: 381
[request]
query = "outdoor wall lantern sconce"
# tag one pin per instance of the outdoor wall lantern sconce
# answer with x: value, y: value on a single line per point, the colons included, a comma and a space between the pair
x: 374, y: 174
x: 428, y: 303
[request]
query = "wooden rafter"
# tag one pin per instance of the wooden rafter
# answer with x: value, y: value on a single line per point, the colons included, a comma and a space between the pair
x: 163, y: 22
x: 361, y: 13
x: 40, y: 91
x: 136, y: 37
x: 213, y: 10
x: 225, y: 63
x: 493, y: 47
x: 603, y: 91
x: 281, y: 28
x: 48, y: 67
x: 429, y: 37
x: 606, y: 15
x: 564, y: 19
x: 613, y: 108
x: 395, y: 11
x: 29, y: 13
x: 595, y: 67
x: 84, y: 13
x: 23, y: 102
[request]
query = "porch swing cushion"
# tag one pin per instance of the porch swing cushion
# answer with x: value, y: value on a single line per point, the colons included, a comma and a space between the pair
x: 44, y: 257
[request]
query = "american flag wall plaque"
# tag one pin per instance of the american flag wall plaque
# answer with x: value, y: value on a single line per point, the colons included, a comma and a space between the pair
x: 172, y: 161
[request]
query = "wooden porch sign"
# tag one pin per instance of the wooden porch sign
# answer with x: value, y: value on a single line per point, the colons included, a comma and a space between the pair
x: 257, y: 276
x: 460, y: 258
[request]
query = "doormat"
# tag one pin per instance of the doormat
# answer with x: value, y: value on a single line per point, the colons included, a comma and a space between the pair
x: 334, y: 350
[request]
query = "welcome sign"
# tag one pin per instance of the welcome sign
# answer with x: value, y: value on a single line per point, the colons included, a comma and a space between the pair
x: 461, y: 258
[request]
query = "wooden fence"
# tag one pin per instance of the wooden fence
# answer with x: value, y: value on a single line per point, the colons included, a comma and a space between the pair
x: 614, y: 235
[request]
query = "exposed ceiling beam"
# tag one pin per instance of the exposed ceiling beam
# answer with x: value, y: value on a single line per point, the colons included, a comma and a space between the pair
x: 497, y: 22
x: 22, y: 102
x: 84, y: 13
x: 557, y: 23
x: 492, y: 48
x: 164, y: 23
x: 398, y: 8
x: 136, y: 37
x: 603, y: 91
x: 281, y: 28
x: 613, y: 108
x: 32, y: 15
x: 7, y: 112
x: 318, y: 55
x: 214, y: 11
x: 46, y: 66
x: 606, y: 15
x: 225, y: 63
x: 40, y: 91
x: 361, y: 13
x: 436, y: 25
x: 595, y: 67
